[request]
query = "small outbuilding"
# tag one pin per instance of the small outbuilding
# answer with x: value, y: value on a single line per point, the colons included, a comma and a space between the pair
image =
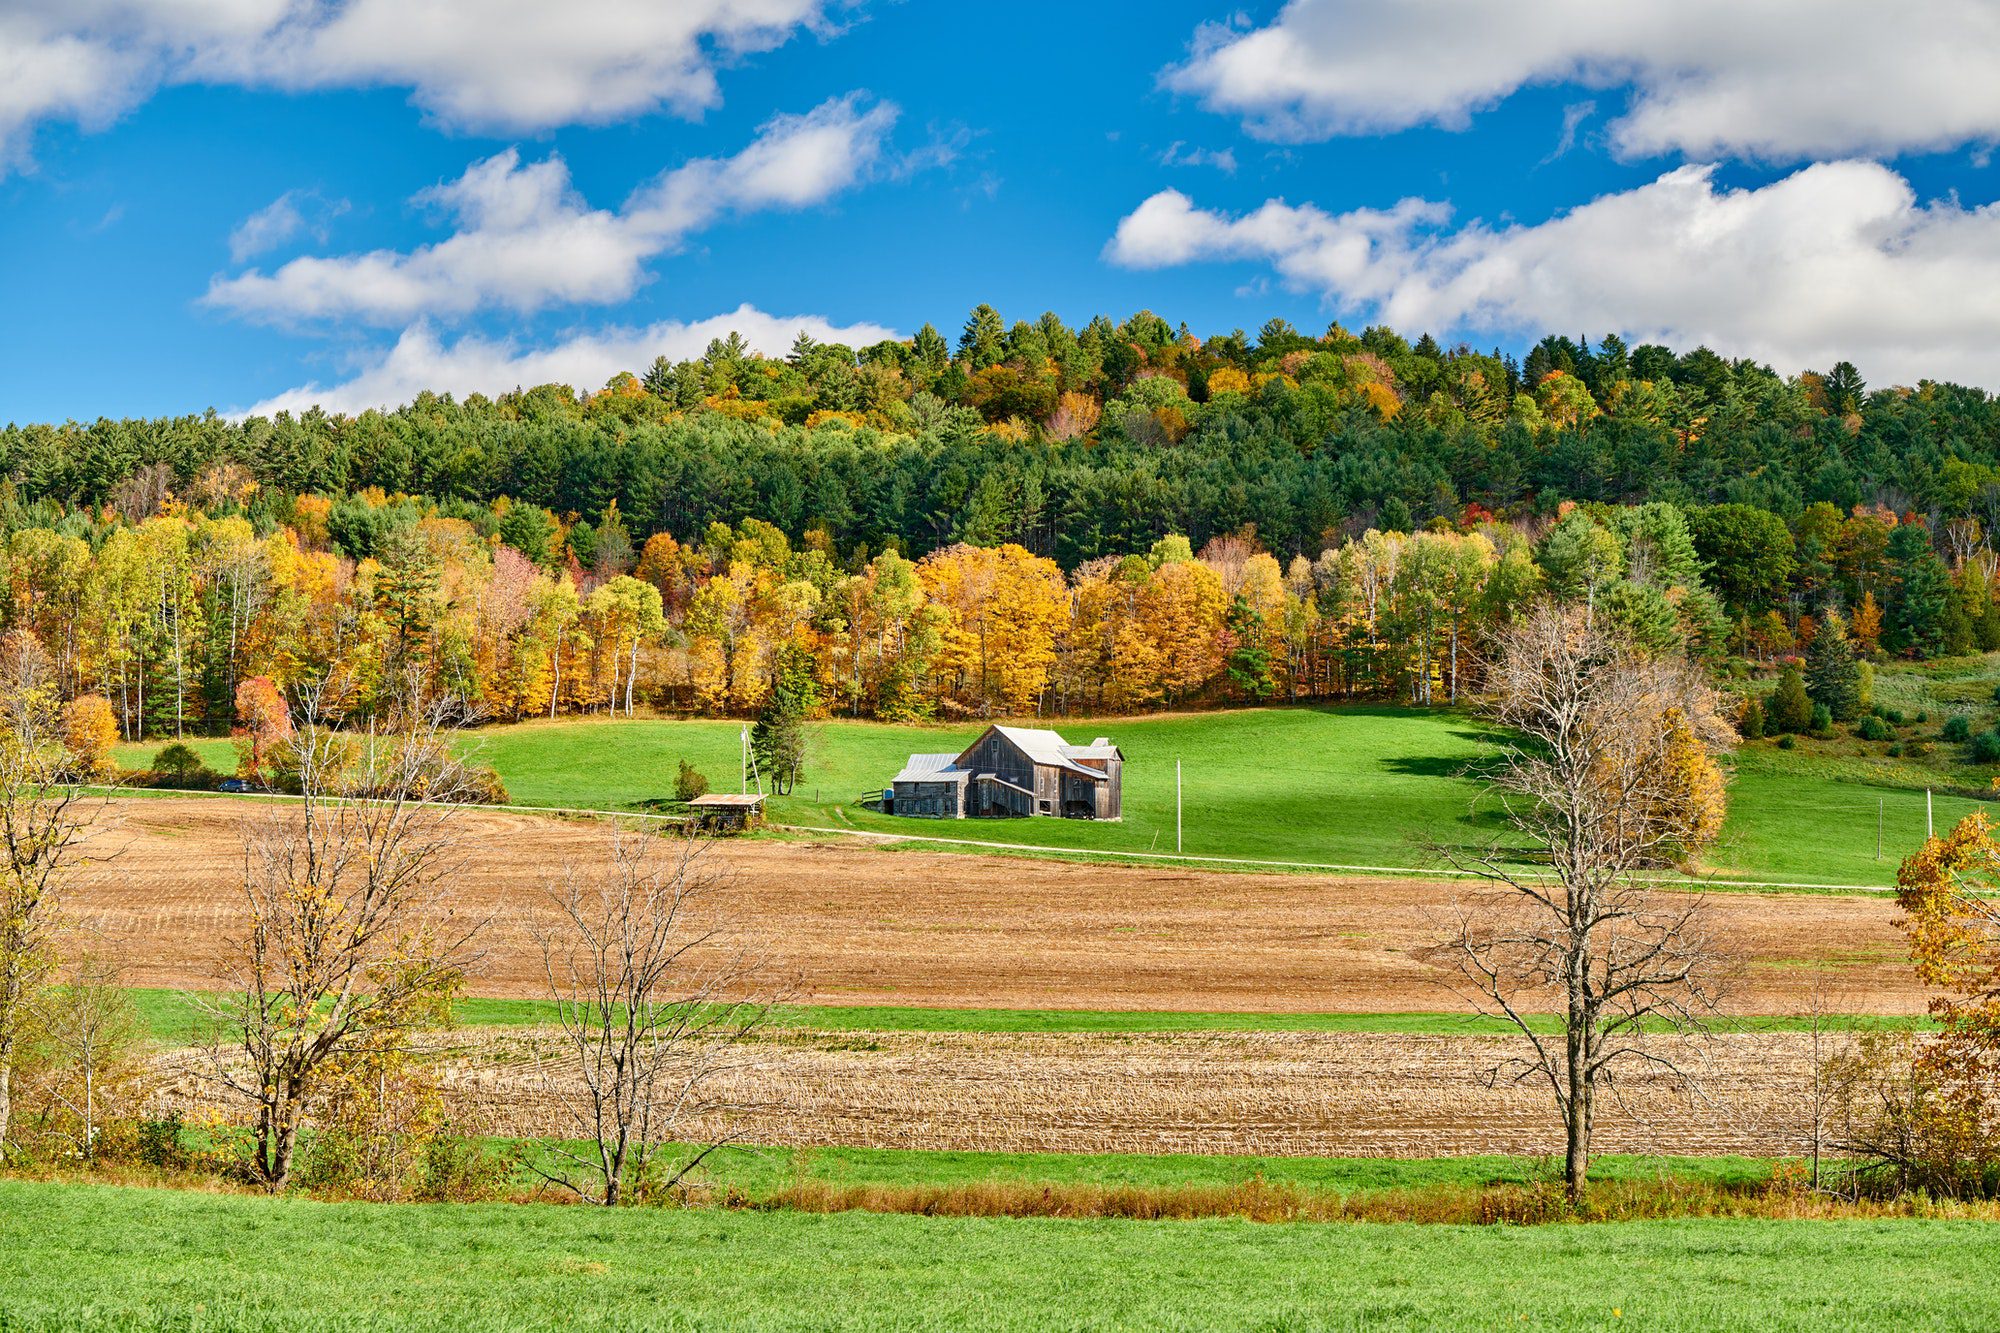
x: 1013, y: 772
x: 727, y: 812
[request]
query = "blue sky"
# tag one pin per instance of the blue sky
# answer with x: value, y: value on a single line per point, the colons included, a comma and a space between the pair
x: 870, y: 167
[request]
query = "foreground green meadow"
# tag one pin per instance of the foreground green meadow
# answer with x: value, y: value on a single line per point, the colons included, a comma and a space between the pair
x: 97, y: 1257
x: 1361, y: 786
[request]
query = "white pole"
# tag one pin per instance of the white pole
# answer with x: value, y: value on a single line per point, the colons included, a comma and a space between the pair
x: 1930, y: 829
x: 1177, y: 807
x: 744, y: 771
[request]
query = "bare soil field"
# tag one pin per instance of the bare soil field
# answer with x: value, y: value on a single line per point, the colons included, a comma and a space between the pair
x: 862, y: 925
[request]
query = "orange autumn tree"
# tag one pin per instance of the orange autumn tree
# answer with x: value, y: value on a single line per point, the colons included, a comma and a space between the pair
x: 262, y: 721
x: 1866, y: 627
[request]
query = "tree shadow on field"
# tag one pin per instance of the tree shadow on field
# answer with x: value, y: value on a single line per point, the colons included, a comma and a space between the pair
x: 1481, y: 770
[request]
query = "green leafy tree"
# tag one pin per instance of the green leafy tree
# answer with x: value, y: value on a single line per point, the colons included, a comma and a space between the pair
x: 689, y: 782
x: 1750, y: 552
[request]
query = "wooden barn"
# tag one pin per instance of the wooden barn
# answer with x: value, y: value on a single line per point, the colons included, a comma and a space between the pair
x: 1013, y: 772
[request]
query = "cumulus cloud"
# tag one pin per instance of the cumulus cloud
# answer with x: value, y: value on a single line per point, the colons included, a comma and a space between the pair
x: 421, y: 360
x: 1837, y: 260
x: 1780, y: 79
x: 525, y: 240
x: 503, y: 66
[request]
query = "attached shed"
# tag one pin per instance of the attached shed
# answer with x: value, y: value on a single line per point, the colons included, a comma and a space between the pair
x: 1013, y: 773
x: 930, y: 785
x: 727, y: 812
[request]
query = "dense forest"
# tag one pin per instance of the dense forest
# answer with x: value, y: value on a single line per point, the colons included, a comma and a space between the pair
x: 1035, y: 519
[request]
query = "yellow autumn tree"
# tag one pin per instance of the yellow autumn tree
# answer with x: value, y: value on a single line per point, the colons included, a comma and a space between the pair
x: 1944, y: 1133
x: 1564, y: 400
x: 1182, y: 610
x: 89, y: 732
x: 1004, y: 610
x: 1695, y: 792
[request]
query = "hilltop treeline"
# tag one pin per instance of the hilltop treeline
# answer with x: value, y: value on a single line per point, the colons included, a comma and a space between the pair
x: 1033, y: 518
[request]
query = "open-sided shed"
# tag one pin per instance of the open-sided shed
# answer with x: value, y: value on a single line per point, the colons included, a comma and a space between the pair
x: 727, y: 812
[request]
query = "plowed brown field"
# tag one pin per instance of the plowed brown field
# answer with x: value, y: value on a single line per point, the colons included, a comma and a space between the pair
x: 863, y: 925
x: 1261, y: 1094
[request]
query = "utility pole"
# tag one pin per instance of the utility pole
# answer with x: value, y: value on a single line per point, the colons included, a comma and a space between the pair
x: 744, y: 771
x: 1177, y: 807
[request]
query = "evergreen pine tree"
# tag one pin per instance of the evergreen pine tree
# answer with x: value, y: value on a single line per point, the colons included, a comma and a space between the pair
x: 778, y: 740
x: 1789, y: 710
x: 1249, y: 662
x: 1833, y: 678
x: 1920, y: 614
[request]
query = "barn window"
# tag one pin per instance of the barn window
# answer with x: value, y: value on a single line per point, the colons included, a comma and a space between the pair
x: 1045, y: 807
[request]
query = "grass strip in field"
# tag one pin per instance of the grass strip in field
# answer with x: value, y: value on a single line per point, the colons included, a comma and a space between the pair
x: 170, y: 1014
x: 757, y: 1171
x: 96, y: 1257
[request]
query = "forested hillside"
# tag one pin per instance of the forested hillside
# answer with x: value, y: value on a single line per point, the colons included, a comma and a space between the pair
x: 1035, y: 519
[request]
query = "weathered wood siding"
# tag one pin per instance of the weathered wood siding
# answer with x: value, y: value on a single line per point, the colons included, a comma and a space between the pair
x: 995, y: 754
x: 935, y: 800
x: 1111, y: 793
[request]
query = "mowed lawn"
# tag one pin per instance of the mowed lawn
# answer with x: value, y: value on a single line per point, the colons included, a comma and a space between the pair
x: 1361, y: 786
x: 96, y: 1257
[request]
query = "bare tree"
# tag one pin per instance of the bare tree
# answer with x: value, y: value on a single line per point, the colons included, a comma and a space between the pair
x: 653, y: 1000
x: 89, y: 1023
x: 1587, y: 784
x: 48, y: 819
x: 352, y: 946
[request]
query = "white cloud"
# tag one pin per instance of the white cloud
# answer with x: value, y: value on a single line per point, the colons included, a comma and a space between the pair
x: 506, y: 66
x: 1179, y: 154
x: 420, y: 360
x: 291, y: 214
x: 1778, y: 79
x: 521, y: 65
x: 1836, y: 260
x: 525, y: 240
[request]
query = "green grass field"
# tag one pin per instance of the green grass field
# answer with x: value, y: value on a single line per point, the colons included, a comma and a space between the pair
x: 170, y: 1016
x: 95, y: 1257
x: 1362, y: 786
x: 757, y: 1171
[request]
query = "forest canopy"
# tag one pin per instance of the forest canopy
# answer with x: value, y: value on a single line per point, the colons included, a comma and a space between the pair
x: 1025, y: 518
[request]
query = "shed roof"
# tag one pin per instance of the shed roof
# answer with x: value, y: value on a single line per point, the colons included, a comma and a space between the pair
x: 930, y: 768
x: 729, y: 800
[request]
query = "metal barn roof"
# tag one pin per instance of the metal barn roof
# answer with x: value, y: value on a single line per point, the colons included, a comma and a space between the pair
x: 930, y: 768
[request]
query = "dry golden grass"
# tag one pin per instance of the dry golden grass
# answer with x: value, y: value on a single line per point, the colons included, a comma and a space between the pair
x: 1278, y: 1094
